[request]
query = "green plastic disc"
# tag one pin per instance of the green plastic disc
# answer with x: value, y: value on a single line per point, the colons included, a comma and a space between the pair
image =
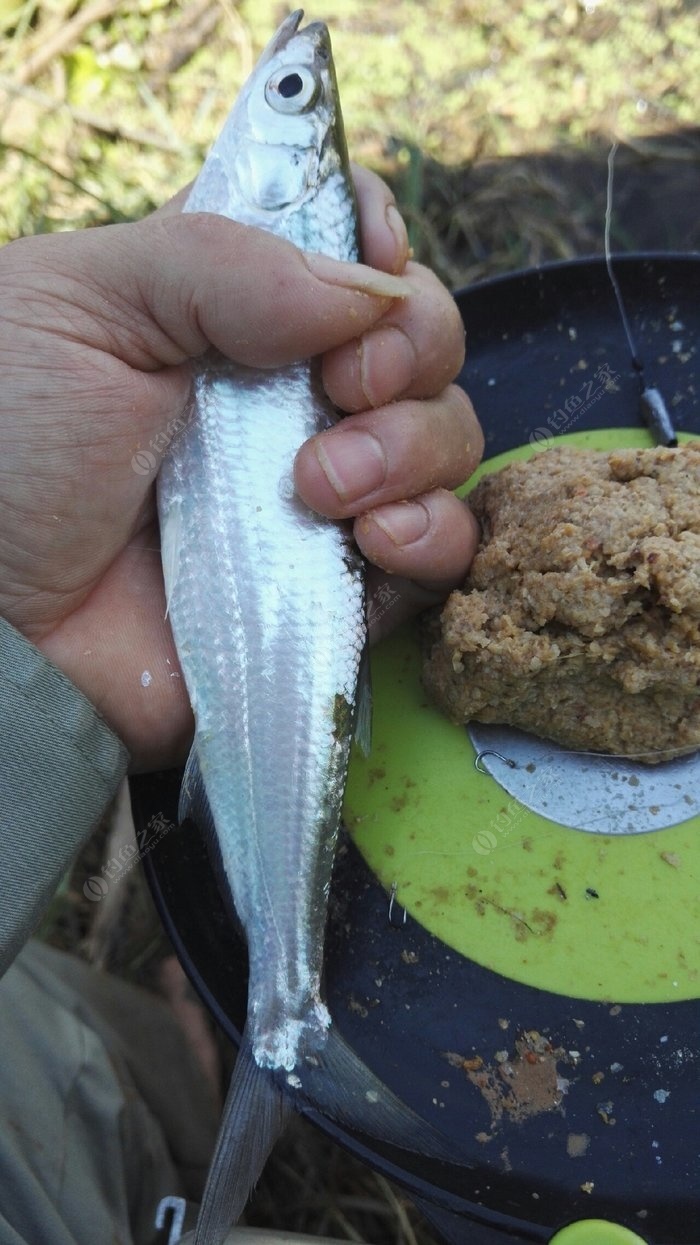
x: 588, y: 916
x: 596, y: 1232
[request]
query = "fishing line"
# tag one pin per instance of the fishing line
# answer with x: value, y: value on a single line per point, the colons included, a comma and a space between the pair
x: 677, y: 755
x: 653, y: 407
x: 636, y: 361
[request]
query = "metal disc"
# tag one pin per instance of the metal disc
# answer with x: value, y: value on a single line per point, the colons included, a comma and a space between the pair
x: 599, y: 794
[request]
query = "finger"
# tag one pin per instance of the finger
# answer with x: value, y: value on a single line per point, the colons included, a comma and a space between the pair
x: 393, y: 600
x: 430, y: 539
x: 165, y: 289
x: 415, y: 350
x: 383, y: 235
x: 388, y: 455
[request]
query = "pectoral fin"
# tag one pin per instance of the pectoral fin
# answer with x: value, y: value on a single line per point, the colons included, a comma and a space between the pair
x: 170, y: 544
x: 363, y: 710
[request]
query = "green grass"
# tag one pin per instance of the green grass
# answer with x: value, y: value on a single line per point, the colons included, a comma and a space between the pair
x: 475, y: 111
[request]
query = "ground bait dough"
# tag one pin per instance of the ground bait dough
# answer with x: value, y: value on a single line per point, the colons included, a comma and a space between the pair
x: 580, y: 618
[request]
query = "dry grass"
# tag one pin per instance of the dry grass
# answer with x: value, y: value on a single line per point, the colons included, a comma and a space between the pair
x: 312, y: 1186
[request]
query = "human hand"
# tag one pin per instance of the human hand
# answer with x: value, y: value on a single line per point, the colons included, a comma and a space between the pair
x: 98, y: 331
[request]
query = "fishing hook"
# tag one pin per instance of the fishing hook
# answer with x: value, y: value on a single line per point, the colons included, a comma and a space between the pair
x: 392, y: 897
x: 491, y: 752
x: 177, y: 1207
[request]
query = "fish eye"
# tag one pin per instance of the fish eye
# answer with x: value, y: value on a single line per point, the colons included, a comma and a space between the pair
x: 291, y: 85
x: 292, y: 89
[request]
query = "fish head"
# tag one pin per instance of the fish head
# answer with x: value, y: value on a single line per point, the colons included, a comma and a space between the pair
x: 284, y: 139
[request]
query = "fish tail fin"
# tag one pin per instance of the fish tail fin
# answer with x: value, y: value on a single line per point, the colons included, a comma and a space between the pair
x: 254, y: 1116
x: 338, y: 1082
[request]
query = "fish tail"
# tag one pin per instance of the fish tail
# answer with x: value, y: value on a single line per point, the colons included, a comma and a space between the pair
x: 254, y: 1116
x: 338, y: 1083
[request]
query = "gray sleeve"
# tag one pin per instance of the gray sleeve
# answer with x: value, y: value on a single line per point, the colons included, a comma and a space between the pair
x: 60, y: 765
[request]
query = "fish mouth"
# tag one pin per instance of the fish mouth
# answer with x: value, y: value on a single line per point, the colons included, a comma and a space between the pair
x: 287, y: 31
x: 316, y: 32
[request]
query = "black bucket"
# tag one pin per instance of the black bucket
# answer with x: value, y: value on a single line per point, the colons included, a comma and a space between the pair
x: 618, y: 1138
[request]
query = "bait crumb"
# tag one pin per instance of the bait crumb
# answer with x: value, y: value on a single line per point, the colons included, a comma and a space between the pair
x: 604, y: 1110
x: 588, y: 1186
x: 358, y: 1008
x: 580, y: 618
x: 528, y: 1084
x: 146, y: 678
x: 577, y: 1145
x: 473, y: 1065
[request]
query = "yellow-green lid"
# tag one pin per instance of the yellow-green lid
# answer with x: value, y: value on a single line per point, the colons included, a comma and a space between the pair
x: 585, y: 915
x: 596, y: 1232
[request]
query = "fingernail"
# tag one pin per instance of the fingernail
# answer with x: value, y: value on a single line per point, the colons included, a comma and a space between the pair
x: 404, y: 522
x: 387, y: 365
x: 396, y: 223
x: 357, y: 277
x: 353, y: 462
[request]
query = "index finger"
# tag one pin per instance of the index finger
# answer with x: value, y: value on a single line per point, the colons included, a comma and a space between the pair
x: 383, y: 235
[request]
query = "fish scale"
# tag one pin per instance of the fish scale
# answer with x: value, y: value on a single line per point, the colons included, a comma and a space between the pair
x: 265, y: 663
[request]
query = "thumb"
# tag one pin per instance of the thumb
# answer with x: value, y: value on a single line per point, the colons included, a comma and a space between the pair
x: 168, y: 288
x: 254, y: 296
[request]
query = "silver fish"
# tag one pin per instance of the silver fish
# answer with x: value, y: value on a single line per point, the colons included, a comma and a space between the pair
x: 265, y: 597
x: 266, y: 602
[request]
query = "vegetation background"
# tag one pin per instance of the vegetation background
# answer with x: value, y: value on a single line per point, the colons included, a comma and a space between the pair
x: 492, y: 119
